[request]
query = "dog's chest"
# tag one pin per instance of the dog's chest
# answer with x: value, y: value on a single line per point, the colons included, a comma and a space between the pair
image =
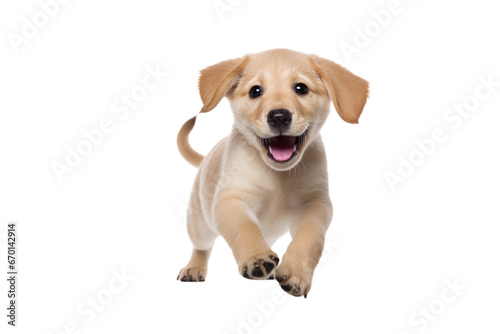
x: 275, y: 205
x: 274, y: 200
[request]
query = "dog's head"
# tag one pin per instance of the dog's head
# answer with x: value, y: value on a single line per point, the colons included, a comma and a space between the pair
x: 281, y: 99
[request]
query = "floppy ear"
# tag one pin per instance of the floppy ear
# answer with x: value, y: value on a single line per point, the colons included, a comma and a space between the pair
x: 347, y: 91
x: 216, y: 81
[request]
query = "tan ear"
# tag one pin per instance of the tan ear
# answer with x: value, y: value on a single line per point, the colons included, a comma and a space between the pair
x: 347, y: 91
x: 216, y: 80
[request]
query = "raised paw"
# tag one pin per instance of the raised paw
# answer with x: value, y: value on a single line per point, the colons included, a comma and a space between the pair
x: 260, y: 266
x: 294, y: 281
x: 192, y: 274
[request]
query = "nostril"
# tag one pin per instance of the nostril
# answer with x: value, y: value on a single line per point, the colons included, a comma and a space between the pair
x: 279, y: 118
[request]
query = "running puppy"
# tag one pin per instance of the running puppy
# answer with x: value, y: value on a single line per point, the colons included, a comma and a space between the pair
x: 269, y: 176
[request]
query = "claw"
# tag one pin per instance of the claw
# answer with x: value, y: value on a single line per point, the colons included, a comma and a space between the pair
x: 281, y: 278
x: 274, y: 258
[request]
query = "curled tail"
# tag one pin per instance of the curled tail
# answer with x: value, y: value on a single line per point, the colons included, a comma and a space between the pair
x: 191, y: 156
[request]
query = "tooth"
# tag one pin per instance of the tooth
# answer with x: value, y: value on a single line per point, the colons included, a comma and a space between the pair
x: 295, y: 148
x: 270, y: 150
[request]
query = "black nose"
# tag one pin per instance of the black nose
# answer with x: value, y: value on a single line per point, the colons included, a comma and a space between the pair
x: 279, y: 118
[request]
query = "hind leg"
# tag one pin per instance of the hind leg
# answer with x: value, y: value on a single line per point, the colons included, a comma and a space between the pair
x: 196, y: 269
x: 203, y: 239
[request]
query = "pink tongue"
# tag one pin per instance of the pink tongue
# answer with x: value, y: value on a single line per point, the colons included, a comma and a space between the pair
x: 281, y: 153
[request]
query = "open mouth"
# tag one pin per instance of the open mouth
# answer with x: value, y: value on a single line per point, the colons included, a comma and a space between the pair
x: 283, y: 148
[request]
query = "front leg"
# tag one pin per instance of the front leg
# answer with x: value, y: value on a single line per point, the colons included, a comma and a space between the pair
x: 302, y: 255
x: 239, y: 228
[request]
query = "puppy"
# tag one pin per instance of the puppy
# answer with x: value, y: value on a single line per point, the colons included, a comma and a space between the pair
x: 269, y: 176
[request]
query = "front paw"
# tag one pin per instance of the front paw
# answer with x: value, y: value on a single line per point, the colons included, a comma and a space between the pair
x: 260, y: 266
x: 294, y: 279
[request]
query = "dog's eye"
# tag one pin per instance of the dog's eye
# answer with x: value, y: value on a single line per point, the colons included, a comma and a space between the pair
x: 301, y: 89
x: 255, y: 91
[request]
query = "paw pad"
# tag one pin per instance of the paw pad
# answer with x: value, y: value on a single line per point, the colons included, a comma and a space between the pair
x: 260, y: 267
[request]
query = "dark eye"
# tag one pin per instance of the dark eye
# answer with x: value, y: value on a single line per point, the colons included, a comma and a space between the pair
x: 255, y: 91
x: 301, y: 89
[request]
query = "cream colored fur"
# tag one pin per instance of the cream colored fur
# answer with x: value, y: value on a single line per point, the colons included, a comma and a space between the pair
x: 251, y: 199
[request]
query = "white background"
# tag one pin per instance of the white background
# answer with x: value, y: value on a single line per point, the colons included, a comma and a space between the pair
x: 389, y: 253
